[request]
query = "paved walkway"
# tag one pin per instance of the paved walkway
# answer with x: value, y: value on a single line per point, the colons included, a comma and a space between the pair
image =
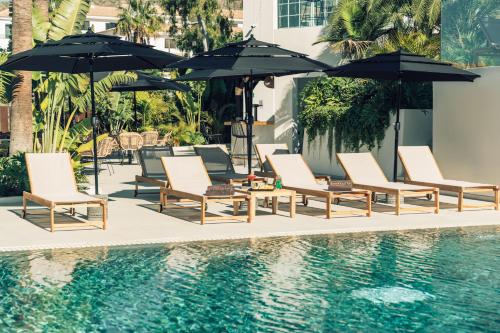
x: 136, y: 221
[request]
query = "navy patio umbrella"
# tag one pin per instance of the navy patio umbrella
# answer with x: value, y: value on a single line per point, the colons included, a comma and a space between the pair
x: 401, y: 66
x: 89, y: 53
x: 251, y: 60
x: 147, y: 82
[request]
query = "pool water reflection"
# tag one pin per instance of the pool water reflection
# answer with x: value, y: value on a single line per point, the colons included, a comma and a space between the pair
x: 432, y: 281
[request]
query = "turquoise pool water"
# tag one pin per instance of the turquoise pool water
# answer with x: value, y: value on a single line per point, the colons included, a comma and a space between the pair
x: 435, y: 281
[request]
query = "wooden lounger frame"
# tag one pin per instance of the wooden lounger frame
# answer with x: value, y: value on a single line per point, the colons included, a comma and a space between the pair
x: 165, y: 192
x: 204, y: 200
x: 456, y: 189
x: 149, y: 180
x: 267, y: 174
x: 53, y: 205
x: 398, y: 193
x: 331, y: 196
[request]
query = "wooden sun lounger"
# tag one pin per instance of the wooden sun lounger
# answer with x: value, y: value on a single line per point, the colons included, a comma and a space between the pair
x: 218, y: 164
x: 188, y: 179
x: 421, y: 168
x: 365, y: 173
x: 53, y: 185
x: 152, y: 169
x: 296, y: 175
x: 265, y: 149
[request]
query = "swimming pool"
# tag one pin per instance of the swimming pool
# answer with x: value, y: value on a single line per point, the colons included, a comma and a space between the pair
x: 432, y: 281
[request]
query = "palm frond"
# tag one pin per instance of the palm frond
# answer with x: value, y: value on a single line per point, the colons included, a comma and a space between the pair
x: 68, y: 18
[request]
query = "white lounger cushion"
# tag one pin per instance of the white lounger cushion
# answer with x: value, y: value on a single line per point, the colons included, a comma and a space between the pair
x: 292, y: 169
x: 267, y: 149
x: 186, y: 174
x: 421, y: 166
x: 419, y: 163
x: 52, y: 178
x: 362, y: 169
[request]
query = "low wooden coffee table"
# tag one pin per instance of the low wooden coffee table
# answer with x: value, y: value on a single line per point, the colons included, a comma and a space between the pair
x: 274, y: 194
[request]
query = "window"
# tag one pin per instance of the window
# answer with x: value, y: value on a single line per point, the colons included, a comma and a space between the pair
x: 303, y: 13
x: 8, y: 31
x: 170, y: 44
x: 110, y: 25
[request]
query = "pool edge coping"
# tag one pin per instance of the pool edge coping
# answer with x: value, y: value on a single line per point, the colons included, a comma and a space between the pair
x: 176, y: 240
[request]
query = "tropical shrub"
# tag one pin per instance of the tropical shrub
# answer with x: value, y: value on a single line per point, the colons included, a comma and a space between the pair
x: 184, y: 134
x: 13, y: 175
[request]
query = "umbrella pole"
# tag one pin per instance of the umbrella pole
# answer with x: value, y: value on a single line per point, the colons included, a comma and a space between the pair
x: 94, y: 126
x: 248, y: 108
x: 136, y: 123
x: 397, y: 127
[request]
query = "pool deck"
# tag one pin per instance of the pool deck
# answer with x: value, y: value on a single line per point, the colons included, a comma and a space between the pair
x: 137, y: 221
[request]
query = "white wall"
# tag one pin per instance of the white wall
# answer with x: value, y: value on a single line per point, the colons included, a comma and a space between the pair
x: 280, y: 103
x: 467, y: 127
x: 416, y: 130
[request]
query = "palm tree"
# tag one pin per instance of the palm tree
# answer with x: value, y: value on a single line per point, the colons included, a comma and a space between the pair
x: 21, y: 117
x: 53, y: 89
x: 139, y: 21
x: 357, y: 25
x: 427, y: 13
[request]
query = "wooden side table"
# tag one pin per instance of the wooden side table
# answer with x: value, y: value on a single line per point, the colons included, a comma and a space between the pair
x: 274, y: 194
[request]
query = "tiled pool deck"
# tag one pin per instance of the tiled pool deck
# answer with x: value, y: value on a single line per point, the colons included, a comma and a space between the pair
x: 136, y: 221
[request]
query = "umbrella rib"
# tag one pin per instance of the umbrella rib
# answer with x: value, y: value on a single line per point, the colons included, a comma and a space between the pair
x: 149, y: 62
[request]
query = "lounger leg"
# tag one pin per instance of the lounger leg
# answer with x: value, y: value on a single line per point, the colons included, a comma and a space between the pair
x: 292, y: 205
x: 275, y: 204
x: 304, y: 200
x: 52, y: 219
x: 251, y: 208
x: 369, y: 204
x: 265, y: 203
x: 104, y: 207
x: 163, y: 200
x: 109, y: 169
x: 203, y: 211
x: 136, y: 192
x: 328, y: 207
x: 461, y: 201
x: 24, y: 207
x: 398, y: 203
x: 111, y: 165
x: 496, y: 198
x: 236, y: 207
x: 436, y: 201
x: 72, y: 211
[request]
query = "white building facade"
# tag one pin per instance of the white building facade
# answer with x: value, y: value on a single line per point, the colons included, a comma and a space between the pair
x: 103, y: 19
x: 297, y: 25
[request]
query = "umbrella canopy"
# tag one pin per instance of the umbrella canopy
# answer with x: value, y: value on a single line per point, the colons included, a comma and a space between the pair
x: 89, y: 53
x: 401, y: 66
x: 146, y: 82
x: 209, y: 74
x: 251, y: 59
x: 72, y: 53
x: 252, y: 54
